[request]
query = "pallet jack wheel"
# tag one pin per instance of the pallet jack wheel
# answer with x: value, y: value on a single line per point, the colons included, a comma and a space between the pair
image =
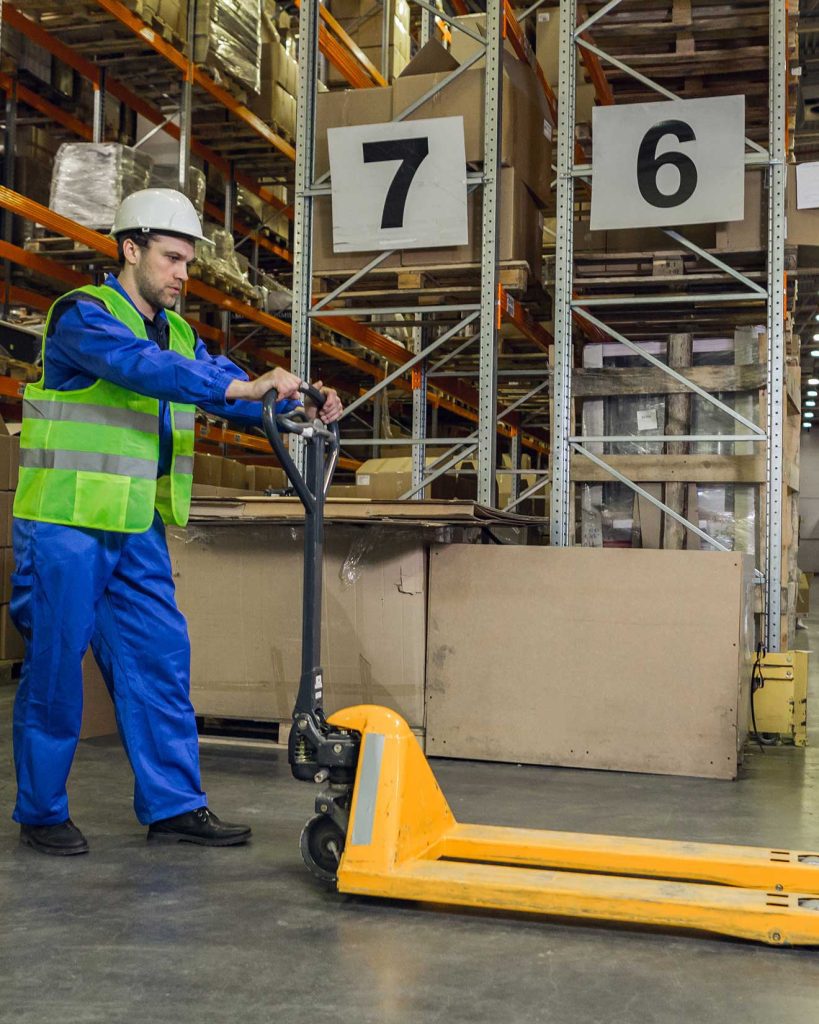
x: 322, y: 843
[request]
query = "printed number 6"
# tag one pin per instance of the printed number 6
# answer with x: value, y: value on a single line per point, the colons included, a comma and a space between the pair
x: 649, y: 164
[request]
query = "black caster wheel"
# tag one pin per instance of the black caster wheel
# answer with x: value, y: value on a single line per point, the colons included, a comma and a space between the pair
x: 322, y: 843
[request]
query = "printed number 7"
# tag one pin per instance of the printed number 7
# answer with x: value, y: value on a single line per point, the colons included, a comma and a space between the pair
x: 411, y: 153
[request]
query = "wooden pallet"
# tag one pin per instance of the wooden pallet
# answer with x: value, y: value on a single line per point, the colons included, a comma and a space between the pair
x: 433, y: 283
x: 65, y: 250
x: 246, y: 292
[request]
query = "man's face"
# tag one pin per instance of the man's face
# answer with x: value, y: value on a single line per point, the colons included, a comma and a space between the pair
x: 161, y: 269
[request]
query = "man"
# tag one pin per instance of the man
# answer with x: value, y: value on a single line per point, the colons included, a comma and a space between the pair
x: 106, y: 460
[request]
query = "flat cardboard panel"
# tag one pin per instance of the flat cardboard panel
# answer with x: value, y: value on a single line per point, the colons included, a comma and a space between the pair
x: 98, y: 718
x: 6, y: 506
x: 247, y: 644
x: 12, y: 645
x: 9, y: 462
x: 584, y: 657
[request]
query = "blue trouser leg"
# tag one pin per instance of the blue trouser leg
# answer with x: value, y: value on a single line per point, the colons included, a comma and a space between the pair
x: 60, y: 574
x: 73, y: 586
x: 141, y: 645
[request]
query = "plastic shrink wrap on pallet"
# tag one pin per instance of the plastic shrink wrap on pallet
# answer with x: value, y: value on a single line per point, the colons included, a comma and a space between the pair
x: 228, y: 34
x: 91, y: 179
x: 167, y: 176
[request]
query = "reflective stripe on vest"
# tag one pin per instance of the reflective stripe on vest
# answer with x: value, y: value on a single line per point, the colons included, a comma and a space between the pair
x: 89, y: 457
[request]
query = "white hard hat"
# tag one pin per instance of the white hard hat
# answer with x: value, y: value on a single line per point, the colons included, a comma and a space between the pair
x: 157, y: 209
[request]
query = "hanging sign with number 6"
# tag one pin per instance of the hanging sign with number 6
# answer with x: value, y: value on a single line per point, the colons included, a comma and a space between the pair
x: 661, y: 164
x: 398, y: 185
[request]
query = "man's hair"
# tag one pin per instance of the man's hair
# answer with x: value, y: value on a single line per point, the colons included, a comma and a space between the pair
x: 138, y: 237
x: 144, y: 239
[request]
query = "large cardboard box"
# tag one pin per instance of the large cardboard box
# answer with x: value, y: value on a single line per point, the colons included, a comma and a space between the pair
x: 746, y: 235
x: 525, y: 123
x: 520, y: 228
x: 98, y: 717
x: 9, y: 462
x: 583, y: 657
x: 246, y: 646
x: 12, y: 645
x: 385, y: 479
x: 6, y: 517
x: 802, y: 225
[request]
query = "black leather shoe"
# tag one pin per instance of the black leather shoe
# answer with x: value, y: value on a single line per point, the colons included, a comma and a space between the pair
x: 201, y: 827
x: 63, y: 840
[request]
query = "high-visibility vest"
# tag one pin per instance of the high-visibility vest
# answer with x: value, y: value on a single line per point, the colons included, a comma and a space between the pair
x: 90, y: 457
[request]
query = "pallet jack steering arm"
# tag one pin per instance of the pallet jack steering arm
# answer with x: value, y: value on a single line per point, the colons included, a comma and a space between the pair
x: 317, y: 751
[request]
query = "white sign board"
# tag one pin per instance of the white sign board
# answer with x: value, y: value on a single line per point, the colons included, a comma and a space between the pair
x: 398, y: 185
x: 807, y: 186
x: 659, y: 164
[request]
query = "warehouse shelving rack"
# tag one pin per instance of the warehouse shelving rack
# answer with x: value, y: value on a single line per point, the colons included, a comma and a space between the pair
x: 742, y: 291
x: 154, y: 56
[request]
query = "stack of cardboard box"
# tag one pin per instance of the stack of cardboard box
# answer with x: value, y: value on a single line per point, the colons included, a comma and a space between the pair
x: 173, y: 14
x: 525, y: 155
x: 278, y: 85
x: 363, y: 22
x: 11, y: 643
x: 214, y: 476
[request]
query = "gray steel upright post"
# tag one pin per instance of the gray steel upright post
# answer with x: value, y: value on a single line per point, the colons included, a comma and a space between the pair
x: 186, y: 106
x: 98, y: 114
x: 303, y: 205
x: 420, y: 338
x: 488, y: 364
x: 426, y: 25
x: 777, y: 113
x: 561, y: 397
x: 386, y: 34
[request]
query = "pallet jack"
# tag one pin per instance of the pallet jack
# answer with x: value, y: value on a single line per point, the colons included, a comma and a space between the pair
x: 383, y: 828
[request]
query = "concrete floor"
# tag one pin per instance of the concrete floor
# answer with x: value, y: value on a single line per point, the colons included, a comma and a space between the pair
x: 135, y: 932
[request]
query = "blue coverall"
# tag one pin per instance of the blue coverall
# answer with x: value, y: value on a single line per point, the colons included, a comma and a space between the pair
x: 74, y: 586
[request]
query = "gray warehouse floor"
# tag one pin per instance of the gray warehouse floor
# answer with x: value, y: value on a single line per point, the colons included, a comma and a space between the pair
x: 136, y: 932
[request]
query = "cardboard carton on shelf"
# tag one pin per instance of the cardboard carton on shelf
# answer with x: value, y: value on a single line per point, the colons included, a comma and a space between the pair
x: 519, y: 235
x: 207, y: 469
x: 390, y: 478
x: 525, y: 122
x: 525, y: 125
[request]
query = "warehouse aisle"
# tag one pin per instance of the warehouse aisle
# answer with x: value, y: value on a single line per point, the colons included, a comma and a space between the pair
x: 142, y: 933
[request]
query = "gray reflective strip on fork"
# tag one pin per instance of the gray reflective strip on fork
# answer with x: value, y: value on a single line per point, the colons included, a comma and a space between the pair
x: 184, y: 420
x: 183, y: 464
x: 88, y: 462
x: 101, y: 415
x: 367, y: 789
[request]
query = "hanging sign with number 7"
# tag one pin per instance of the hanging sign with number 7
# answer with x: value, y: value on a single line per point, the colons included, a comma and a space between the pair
x: 398, y: 185
x: 661, y: 164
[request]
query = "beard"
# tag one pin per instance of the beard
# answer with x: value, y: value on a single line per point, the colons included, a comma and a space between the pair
x: 152, y: 293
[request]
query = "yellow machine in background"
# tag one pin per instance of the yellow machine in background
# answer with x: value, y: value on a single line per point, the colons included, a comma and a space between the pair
x: 781, y: 701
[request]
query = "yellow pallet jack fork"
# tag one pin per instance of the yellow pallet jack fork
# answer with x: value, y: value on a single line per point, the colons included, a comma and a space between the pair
x: 383, y: 828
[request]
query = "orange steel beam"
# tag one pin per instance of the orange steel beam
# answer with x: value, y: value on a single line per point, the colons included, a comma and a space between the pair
x: 515, y: 313
x: 24, y: 297
x: 459, y: 6
x: 51, y: 110
x: 42, y: 265
x: 37, y: 34
x: 591, y: 62
x: 144, y: 32
x: 345, y: 326
x: 219, y: 435
x: 11, y: 387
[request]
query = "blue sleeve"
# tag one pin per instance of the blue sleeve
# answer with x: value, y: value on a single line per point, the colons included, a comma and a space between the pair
x: 89, y: 339
x: 238, y: 411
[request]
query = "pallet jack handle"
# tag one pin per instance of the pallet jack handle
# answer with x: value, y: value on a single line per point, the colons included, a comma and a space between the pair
x: 316, y: 751
x: 298, y: 422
